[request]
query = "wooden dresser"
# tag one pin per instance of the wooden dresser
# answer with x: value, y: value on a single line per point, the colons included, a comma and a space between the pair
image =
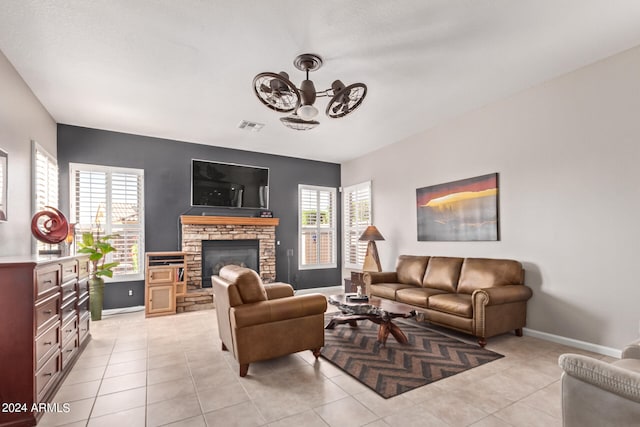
x: 44, y: 325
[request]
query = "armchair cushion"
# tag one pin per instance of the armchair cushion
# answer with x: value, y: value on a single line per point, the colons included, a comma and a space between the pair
x: 278, y: 290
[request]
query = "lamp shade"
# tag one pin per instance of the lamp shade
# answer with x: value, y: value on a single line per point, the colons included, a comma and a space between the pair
x: 371, y: 233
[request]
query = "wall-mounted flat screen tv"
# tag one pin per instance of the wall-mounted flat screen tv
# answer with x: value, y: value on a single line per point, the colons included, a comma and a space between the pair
x: 229, y: 185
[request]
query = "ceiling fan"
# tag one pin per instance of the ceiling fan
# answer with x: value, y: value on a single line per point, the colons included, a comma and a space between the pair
x: 277, y: 92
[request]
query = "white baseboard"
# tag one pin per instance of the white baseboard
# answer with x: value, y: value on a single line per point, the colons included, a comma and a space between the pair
x: 583, y: 345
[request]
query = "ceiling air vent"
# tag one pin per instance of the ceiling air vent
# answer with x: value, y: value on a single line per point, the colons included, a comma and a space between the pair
x: 252, y: 126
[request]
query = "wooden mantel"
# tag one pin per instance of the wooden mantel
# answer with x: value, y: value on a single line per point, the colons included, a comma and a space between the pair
x: 227, y: 220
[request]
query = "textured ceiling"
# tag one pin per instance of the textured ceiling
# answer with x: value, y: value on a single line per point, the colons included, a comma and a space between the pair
x: 184, y: 69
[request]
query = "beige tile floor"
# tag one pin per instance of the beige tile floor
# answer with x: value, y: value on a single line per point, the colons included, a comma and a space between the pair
x: 171, y: 371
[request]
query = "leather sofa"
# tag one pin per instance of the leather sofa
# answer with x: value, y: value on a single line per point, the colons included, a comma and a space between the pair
x: 597, y: 393
x: 260, y: 322
x: 479, y: 296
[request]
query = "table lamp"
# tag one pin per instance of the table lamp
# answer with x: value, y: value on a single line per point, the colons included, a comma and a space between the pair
x: 371, y: 259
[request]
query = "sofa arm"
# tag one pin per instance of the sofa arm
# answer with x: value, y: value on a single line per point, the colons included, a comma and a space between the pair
x: 262, y: 312
x: 617, y: 380
x: 632, y: 351
x: 278, y: 290
x: 502, y: 294
x: 370, y: 277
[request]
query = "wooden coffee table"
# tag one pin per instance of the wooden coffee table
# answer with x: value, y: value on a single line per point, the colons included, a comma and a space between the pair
x: 377, y: 310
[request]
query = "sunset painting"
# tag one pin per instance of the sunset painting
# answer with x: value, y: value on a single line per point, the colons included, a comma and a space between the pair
x: 459, y: 211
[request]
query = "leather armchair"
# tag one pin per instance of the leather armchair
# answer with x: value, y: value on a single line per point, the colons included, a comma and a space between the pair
x: 596, y: 393
x: 259, y: 322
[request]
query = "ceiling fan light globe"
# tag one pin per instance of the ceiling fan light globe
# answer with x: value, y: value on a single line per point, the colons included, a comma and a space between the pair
x: 307, y: 112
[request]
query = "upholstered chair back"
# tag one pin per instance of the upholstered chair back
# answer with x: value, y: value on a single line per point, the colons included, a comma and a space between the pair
x: 245, y: 283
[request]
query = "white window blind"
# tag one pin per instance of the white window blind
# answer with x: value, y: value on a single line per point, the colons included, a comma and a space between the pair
x: 356, y: 218
x: 45, y: 179
x: 317, y: 227
x: 107, y: 200
x: 44, y: 184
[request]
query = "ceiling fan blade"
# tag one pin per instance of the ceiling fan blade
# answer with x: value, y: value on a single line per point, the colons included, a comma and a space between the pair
x: 264, y: 88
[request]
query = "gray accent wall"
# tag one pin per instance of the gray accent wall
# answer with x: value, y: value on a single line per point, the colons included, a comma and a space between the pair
x: 167, y: 169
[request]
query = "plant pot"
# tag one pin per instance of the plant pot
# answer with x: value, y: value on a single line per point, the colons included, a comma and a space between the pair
x: 96, y: 297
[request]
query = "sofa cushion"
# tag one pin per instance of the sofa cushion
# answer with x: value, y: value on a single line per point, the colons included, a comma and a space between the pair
x: 247, y: 282
x: 386, y: 290
x: 478, y: 273
x: 416, y: 296
x: 410, y: 269
x: 443, y: 273
x: 457, y: 304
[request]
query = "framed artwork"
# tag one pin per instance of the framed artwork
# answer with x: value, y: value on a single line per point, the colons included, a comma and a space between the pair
x: 464, y: 210
x: 4, y: 160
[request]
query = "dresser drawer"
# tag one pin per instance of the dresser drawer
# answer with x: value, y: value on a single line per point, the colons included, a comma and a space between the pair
x: 68, y: 290
x: 83, y: 268
x: 46, y: 377
x: 83, y: 306
x: 47, y: 278
x: 161, y: 275
x: 68, y: 310
x: 69, y: 330
x: 69, y: 270
x: 83, y: 328
x: 47, y: 312
x: 47, y: 344
x: 83, y: 288
x: 69, y: 351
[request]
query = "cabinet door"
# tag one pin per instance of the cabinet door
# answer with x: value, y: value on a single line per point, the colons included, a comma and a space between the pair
x: 161, y: 299
x: 161, y: 275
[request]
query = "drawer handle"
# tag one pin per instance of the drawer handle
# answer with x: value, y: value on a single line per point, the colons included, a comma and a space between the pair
x: 48, y: 374
x: 47, y: 343
x: 69, y: 351
x: 47, y: 282
x: 47, y: 312
x: 69, y: 330
x: 83, y: 329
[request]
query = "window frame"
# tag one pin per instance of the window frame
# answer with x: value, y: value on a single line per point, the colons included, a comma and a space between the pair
x: 108, y: 226
x: 358, y: 228
x: 332, y: 227
x: 51, y: 196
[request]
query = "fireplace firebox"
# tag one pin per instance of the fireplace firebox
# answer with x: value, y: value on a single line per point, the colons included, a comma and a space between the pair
x: 218, y: 253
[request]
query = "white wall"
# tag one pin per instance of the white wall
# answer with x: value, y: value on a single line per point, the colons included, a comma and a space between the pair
x: 568, y: 155
x: 22, y: 119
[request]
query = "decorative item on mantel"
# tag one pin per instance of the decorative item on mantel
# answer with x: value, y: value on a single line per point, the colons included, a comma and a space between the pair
x: 51, y: 227
x: 97, y: 248
x: 371, y: 259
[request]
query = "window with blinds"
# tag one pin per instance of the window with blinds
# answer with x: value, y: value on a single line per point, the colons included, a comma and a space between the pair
x: 108, y: 200
x: 45, y: 179
x: 356, y: 218
x: 317, y: 227
x: 44, y: 184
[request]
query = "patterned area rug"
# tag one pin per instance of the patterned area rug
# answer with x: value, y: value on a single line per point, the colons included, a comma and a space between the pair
x: 429, y: 356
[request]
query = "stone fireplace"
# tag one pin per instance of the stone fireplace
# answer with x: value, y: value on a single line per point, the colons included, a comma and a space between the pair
x: 196, y: 229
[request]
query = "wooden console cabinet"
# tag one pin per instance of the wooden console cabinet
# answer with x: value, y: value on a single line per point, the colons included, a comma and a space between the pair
x: 44, y: 318
x: 165, y: 279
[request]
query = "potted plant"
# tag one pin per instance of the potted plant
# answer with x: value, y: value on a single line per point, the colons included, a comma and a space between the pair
x: 97, y: 248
